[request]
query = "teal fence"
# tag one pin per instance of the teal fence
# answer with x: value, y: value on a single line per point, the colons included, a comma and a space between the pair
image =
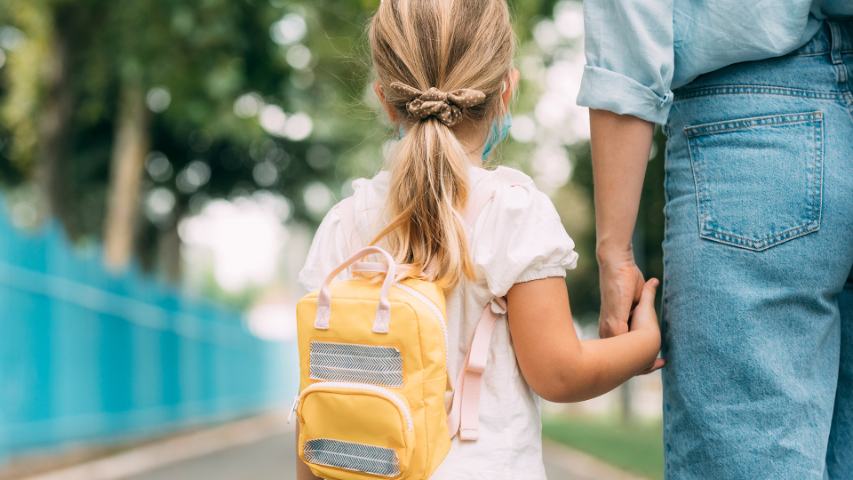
x: 88, y: 356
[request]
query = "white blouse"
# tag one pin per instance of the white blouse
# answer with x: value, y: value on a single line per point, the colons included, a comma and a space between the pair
x: 518, y: 237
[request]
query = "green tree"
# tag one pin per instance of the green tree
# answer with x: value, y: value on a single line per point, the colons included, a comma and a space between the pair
x: 120, y: 81
x: 105, y: 103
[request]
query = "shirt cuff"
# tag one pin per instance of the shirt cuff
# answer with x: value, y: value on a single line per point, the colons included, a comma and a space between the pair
x: 603, y: 89
x: 542, y: 272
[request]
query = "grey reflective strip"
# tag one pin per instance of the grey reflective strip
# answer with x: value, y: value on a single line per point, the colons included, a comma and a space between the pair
x: 347, y: 362
x: 352, y: 456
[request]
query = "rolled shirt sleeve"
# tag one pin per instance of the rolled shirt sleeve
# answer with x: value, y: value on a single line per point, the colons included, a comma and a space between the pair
x: 630, y: 58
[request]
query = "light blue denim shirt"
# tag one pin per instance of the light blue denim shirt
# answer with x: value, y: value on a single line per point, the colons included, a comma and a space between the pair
x: 637, y: 51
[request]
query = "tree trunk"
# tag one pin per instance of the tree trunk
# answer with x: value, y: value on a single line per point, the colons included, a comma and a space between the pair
x: 128, y: 158
x: 53, y: 128
x: 169, y: 254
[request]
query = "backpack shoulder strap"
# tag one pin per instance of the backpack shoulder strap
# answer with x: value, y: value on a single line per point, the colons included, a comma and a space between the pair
x: 464, y: 416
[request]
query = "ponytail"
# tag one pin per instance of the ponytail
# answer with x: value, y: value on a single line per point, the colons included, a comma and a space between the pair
x: 440, y: 65
x: 429, y: 186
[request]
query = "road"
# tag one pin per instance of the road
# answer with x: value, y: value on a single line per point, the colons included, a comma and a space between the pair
x: 261, y: 448
x: 273, y: 459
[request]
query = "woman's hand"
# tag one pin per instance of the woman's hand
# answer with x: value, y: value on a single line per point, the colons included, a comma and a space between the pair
x: 621, y: 283
x: 620, y: 151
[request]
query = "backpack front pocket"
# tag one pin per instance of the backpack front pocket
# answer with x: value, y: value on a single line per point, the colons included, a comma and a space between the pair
x: 353, y: 431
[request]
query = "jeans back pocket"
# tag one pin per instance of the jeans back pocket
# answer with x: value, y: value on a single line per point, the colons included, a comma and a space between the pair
x: 758, y: 180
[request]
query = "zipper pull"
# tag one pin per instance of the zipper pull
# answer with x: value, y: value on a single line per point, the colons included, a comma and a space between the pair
x: 293, y: 408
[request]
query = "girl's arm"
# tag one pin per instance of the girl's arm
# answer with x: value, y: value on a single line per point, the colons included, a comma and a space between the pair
x: 560, y: 367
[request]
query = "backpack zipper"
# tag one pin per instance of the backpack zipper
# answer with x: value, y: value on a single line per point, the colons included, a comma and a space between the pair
x: 436, y: 312
x: 293, y: 408
x: 380, y: 391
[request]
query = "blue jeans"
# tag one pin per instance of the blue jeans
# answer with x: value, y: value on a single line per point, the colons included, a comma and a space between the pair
x: 758, y: 261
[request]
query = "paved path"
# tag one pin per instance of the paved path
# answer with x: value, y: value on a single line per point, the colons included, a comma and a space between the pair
x: 271, y: 459
x: 262, y: 448
x: 268, y: 459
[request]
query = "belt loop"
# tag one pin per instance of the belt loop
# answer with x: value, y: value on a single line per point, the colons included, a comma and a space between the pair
x: 835, y: 42
x: 835, y: 45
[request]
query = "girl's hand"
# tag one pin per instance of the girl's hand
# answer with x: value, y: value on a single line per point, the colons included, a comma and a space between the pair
x: 556, y: 363
x: 645, y: 319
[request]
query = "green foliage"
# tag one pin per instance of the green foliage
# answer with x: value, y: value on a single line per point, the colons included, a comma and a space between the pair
x: 634, y: 447
x: 207, y: 54
x: 203, y: 54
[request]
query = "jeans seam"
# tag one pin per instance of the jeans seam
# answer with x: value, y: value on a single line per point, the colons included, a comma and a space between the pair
x: 759, y: 245
x: 710, y: 231
x: 751, y: 122
x: 755, y: 89
x: 821, y: 53
x: 699, y: 188
x: 819, y: 160
x: 667, y: 208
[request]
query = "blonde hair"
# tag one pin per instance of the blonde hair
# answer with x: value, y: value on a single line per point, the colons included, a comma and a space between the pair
x: 446, y: 44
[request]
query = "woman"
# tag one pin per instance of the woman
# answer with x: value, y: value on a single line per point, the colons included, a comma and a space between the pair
x: 756, y: 101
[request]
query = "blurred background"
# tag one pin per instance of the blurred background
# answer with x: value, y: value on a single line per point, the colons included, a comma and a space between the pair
x: 163, y: 164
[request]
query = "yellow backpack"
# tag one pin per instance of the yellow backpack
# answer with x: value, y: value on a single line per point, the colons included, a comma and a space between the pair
x: 373, y: 373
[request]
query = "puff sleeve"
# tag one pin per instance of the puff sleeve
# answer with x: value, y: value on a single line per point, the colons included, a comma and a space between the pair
x: 330, y: 247
x: 519, y: 237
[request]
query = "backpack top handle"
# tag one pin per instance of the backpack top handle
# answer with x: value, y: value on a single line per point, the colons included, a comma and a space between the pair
x: 383, y: 310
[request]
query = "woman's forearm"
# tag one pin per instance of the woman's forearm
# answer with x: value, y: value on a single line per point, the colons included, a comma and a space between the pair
x: 620, y: 151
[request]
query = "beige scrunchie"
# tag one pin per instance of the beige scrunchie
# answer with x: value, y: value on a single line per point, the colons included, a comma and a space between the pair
x: 445, y: 106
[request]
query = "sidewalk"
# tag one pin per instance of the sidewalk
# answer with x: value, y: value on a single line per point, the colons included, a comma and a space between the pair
x: 565, y: 463
x: 262, y: 448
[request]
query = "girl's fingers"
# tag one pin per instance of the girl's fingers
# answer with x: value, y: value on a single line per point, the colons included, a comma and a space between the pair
x: 659, y: 363
x: 649, y: 292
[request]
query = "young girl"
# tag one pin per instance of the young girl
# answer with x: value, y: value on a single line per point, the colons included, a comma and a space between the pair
x: 445, y: 77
